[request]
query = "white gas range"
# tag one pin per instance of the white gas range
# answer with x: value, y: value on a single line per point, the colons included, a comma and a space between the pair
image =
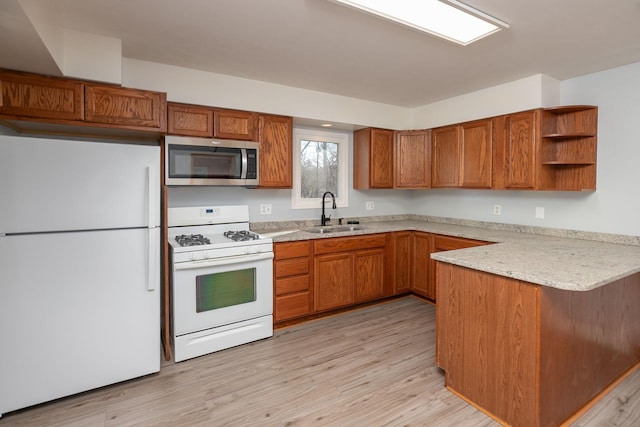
x: 221, y: 280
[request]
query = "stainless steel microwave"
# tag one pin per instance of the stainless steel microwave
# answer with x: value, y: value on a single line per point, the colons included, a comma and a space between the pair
x: 203, y: 161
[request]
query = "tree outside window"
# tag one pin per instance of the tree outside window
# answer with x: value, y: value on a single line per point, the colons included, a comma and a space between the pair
x: 318, y: 168
x: 320, y: 164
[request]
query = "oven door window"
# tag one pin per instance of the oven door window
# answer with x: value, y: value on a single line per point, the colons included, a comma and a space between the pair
x: 219, y: 290
x: 195, y: 162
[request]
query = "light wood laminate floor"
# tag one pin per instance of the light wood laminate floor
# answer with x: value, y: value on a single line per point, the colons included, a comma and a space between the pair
x: 369, y: 367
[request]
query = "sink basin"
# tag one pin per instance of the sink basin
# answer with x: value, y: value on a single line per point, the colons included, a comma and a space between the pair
x: 334, y: 229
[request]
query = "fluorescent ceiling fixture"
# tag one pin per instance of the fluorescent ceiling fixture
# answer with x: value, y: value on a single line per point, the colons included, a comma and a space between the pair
x: 449, y: 19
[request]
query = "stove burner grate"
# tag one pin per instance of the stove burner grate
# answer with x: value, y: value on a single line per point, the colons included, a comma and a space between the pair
x: 241, y: 236
x: 192, y: 240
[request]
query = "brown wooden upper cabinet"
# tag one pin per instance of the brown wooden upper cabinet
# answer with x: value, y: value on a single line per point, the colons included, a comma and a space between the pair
x: 25, y: 96
x: 234, y: 124
x: 517, y: 150
x: 445, y: 152
x: 125, y: 107
x: 276, y: 151
x: 547, y: 149
x: 189, y: 120
x: 412, y: 156
x: 372, y: 158
x: 569, y: 148
x: 273, y: 132
x: 461, y: 155
x: 476, y: 151
x: 30, y: 95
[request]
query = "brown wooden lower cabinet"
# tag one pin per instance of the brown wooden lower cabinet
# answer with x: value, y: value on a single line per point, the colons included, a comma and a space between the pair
x: 368, y: 275
x: 348, y: 270
x: 402, y: 262
x: 422, y: 283
x: 314, y: 276
x: 532, y: 355
x: 293, y: 293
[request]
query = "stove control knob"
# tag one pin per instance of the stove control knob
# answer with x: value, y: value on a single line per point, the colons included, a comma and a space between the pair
x: 250, y: 250
x: 195, y: 256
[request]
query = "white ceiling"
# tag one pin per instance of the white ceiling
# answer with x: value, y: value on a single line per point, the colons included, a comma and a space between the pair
x: 322, y: 46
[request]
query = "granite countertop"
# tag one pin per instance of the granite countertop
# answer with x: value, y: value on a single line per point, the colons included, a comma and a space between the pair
x: 563, y: 259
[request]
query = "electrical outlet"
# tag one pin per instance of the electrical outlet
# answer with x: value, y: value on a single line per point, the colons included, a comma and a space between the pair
x: 369, y: 206
x: 540, y: 212
x: 265, y: 209
x: 497, y: 210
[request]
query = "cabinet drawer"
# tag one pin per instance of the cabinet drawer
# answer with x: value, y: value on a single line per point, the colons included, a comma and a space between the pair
x: 291, y: 250
x: 290, y: 306
x: 293, y: 284
x: 448, y: 243
x: 341, y: 244
x: 292, y: 267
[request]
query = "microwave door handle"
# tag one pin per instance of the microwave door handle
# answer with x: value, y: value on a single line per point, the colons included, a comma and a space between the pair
x: 243, y: 175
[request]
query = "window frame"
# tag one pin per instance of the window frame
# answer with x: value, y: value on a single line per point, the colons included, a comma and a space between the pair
x: 339, y: 137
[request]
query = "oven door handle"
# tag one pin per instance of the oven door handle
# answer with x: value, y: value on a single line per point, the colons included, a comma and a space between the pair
x: 223, y: 261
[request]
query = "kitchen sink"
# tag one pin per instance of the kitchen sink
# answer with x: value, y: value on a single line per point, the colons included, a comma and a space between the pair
x: 334, y: 229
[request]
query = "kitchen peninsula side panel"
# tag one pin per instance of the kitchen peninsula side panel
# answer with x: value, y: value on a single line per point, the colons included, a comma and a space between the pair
x: 533, y: 355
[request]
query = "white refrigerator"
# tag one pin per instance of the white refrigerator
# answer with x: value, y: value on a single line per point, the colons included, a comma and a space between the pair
x: 79, y: 266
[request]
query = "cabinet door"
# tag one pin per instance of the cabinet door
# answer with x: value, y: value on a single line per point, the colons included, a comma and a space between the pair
x: 412, y: 159
x: 476, y: 141
x: 445, y: 149
x: 189, y: 120
x: 43, y: 97
x: 233, y: 124
x: 333, y: 281
x: 369, y: 275
x: 521, y: 149
x: 403, y: 262
x: 276, y: 151
x: 422, y: 280
x: 372, y: 158
x: 381, y: 158
x: 124, y: 107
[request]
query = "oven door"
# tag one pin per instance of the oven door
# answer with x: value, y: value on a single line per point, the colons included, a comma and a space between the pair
x: 221, y: 291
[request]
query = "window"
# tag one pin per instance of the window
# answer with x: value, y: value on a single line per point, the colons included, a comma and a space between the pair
x: 321, y: 163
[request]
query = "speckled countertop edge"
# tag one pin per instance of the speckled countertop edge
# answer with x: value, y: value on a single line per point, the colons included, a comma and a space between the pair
x: 563, y: 259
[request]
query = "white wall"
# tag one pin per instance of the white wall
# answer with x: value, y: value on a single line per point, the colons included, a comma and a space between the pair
x: 92, y: 57
x: 612, y: 208
x: 199, y: 87
x: 519, y: 95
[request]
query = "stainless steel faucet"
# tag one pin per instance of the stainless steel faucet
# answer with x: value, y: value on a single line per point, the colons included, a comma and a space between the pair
x: 324, y: 219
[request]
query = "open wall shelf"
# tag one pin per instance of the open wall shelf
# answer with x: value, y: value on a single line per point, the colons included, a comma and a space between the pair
x: 569, y: 147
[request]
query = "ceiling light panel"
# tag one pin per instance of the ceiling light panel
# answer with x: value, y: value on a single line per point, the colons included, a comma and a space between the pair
x: 451, y: 20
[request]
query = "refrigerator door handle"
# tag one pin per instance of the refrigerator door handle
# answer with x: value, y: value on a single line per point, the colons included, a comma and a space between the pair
x: 152, y: 198
x: 152, y: 269
x: 153, y: 190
